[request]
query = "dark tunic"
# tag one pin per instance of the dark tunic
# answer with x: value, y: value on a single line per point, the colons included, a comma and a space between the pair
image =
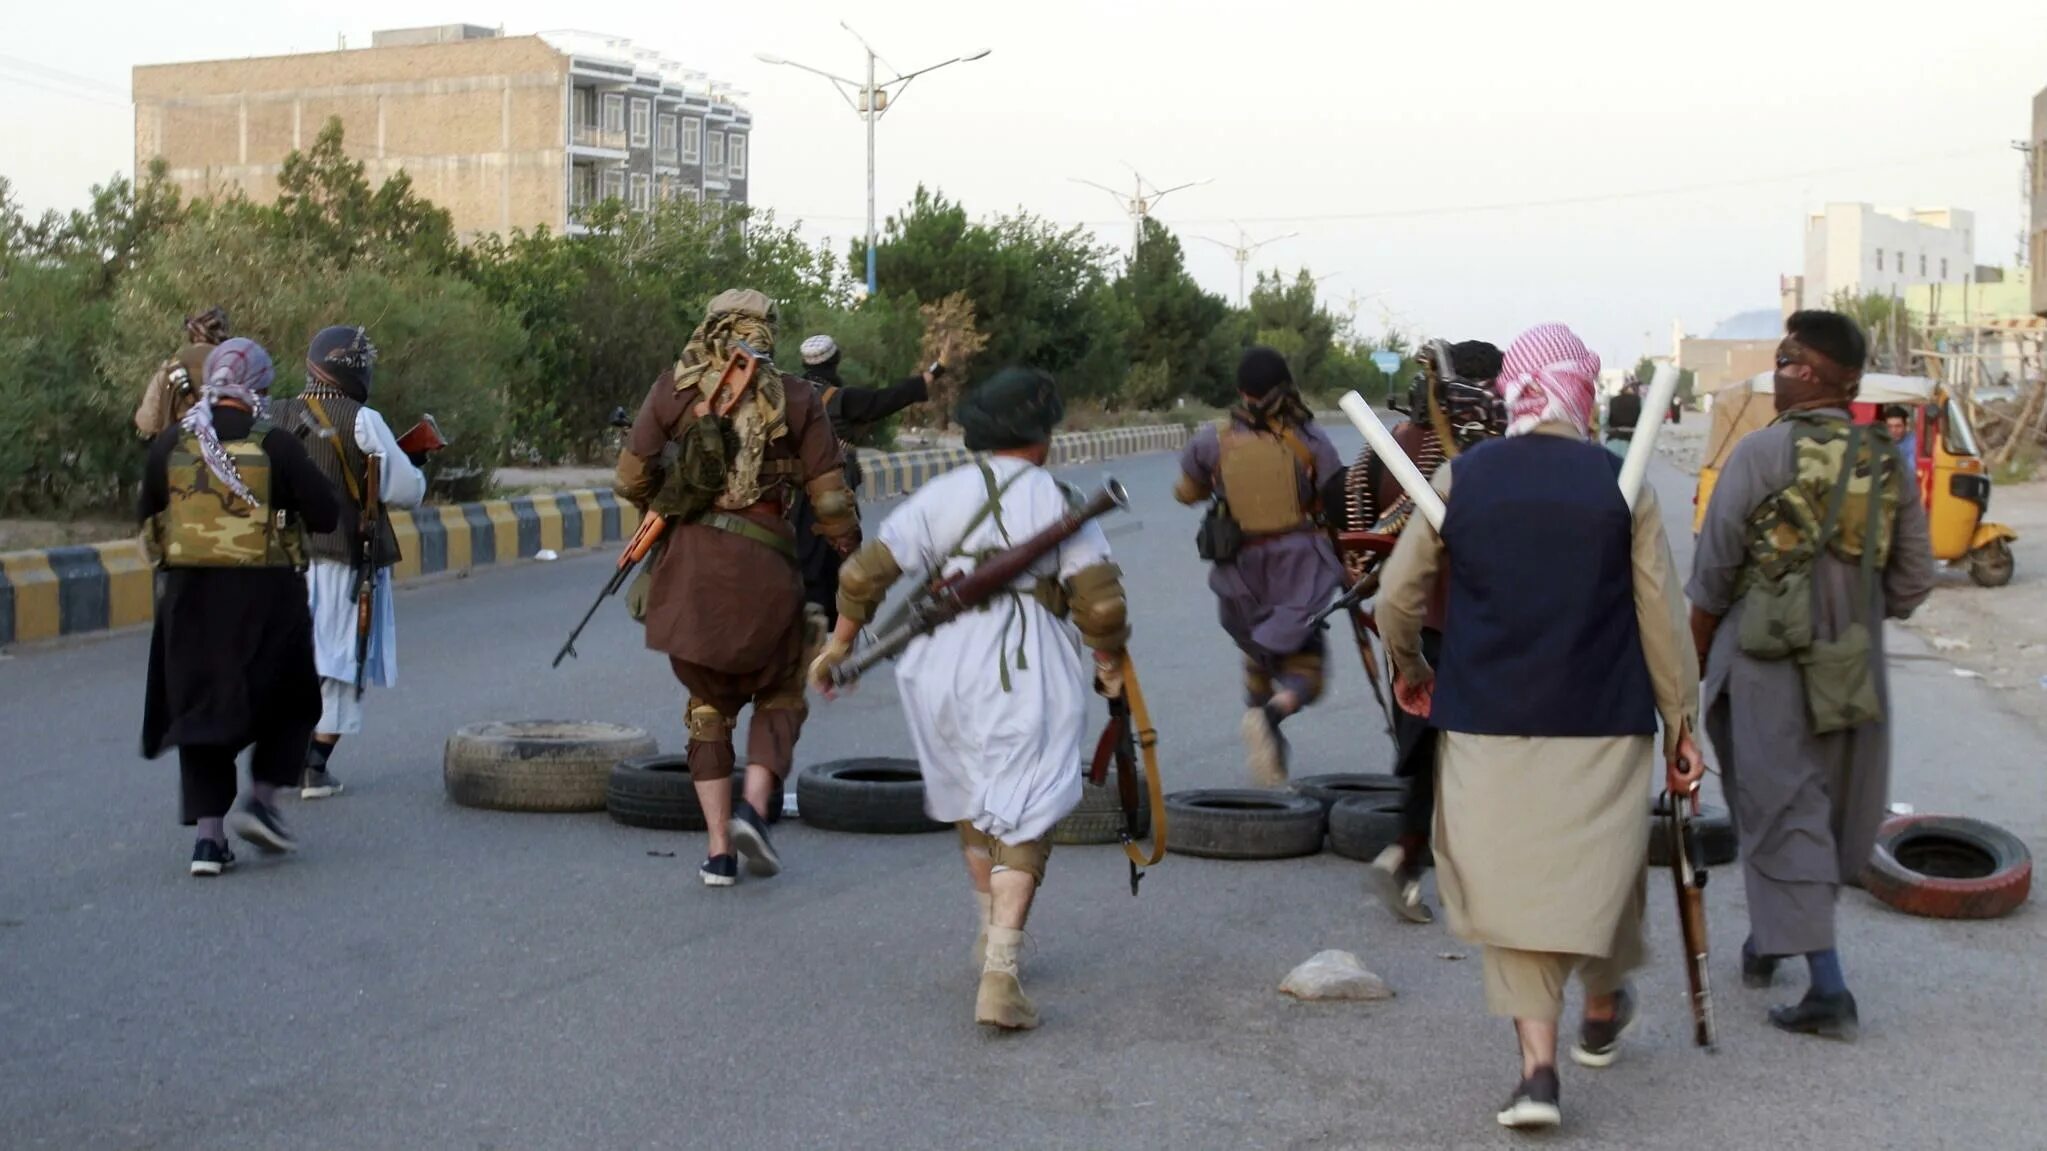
x: 232, y: 648
x: 719, y: 601
x: 851, y: 411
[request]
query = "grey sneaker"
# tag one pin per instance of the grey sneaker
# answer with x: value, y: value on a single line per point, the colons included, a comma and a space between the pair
x: 1536, y: 1103
x: 260, y: 824
x: 750, y: 837
x: 1397, y: 881
x: 318, y: 783
x: 1599, y: 1040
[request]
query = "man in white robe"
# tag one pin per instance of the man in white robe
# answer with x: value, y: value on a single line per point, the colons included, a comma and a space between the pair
x: 345, y: 437
x: 997, y: 699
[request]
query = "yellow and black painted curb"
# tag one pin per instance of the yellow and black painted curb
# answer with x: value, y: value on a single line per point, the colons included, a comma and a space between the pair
x: 53, y: 592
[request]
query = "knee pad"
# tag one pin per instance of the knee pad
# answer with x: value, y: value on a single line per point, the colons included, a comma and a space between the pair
x: 707, y: 724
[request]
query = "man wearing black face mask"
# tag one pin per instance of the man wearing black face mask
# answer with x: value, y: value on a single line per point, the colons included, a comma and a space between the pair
x: 346, y: 438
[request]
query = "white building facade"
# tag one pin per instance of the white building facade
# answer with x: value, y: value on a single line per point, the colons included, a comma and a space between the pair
x: 1859, y: 248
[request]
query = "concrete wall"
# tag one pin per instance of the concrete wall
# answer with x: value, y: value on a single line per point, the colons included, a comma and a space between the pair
x: 1843, y: 242
x: 479, y: 125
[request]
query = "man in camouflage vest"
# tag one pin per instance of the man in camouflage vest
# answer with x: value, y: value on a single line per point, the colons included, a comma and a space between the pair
x: 175, y: 387
x: 1814, y: 536
x: 346, y: 438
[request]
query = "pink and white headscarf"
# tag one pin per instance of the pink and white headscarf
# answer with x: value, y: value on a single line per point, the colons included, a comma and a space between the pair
x: 1549, y: 376
x: 238, y: 370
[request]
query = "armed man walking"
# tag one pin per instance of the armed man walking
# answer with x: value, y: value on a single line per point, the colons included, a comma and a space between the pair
x: 1566, y: 646
x: 1813, y: 537
x: 175, y: 387
x: 997, y: 699
x: 353, y: 446
x: 1455, y: 406
x: 225, y: 497
x: 851, y: 412
x: 725, y: 598
x: 1274, y: 569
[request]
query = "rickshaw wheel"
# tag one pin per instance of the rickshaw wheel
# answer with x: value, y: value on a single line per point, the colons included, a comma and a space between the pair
x: 1991, y: 565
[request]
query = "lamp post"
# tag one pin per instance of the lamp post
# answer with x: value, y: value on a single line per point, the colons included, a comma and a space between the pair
x: 1139, y: 203
x: 1241, y: 252
x: 870, y: 101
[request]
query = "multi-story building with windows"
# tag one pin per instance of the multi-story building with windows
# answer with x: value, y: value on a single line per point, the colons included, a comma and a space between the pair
x: 503, y: 131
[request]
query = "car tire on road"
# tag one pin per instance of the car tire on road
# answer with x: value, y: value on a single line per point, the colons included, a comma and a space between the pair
x: 1992, y: 564
x: 537, y: 765
x: 1244, y: 823
x: 1328, y: 789
x: 1099, y: 817
x: 864, y: 796
x: 1362, y: 826
x: 1948, y: 867
x: 654, y: 791
x: 1715, y: 831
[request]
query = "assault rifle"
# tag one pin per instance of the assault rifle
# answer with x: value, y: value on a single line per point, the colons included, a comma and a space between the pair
x: 945, y: 600
x: 652, y: 525
x: 366, y: 524
x: 1688, y: 875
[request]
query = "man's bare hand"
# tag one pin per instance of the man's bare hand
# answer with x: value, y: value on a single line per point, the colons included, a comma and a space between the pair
x: 1684, y: 767
x: 1415, y: 698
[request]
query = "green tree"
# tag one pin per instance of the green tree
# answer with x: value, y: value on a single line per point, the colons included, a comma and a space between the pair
x: 1175, y: 325
x: 325, y: 200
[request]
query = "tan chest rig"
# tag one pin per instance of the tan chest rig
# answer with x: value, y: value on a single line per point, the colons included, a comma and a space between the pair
x: 1261, y: 480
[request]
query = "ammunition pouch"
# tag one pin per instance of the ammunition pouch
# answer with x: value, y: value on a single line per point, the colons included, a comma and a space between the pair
x: 1220, y: 537
x: 637, y: 592
x: 1840, y: 688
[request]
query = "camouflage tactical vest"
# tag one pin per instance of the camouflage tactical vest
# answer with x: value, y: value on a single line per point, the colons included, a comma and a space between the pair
x: 1827, y: 505
x: 205, y: 525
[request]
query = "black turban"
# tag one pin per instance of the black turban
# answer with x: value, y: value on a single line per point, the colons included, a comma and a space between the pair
x: 1014, y: 408
x: 342, y: 357
x: 1261, y: 372
x: 1476, y: 361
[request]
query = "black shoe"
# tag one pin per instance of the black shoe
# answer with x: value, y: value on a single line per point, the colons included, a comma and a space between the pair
x: 1827, y: 1016
x: 1535, y: 1103
x: 1757, y: 971
x: 210, y: 857
x: 318, y: 783
x: 720, y: 871
x: 260, y: 824
x: 750, y: 836
x: 1599, y: 1040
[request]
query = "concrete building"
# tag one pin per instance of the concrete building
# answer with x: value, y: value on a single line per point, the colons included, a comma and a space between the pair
x: 1860, y: 249
x: 2038, y: 247
x: 503, y: 131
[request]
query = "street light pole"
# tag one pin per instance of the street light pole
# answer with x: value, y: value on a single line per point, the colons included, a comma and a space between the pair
x: 872, y: 104
x: 1241, y: 252
x: 1137, y: 205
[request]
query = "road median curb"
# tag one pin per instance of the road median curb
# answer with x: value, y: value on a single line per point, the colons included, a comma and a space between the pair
x: 48, y: 593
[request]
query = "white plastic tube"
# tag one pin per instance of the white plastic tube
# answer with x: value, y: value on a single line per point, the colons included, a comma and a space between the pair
x: 1388, y: 450
x: 1655, y: 406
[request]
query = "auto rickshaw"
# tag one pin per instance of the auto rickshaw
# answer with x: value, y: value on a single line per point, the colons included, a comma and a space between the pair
x: 1948, y: 468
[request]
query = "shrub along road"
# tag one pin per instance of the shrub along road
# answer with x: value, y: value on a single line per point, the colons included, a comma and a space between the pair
x: 426, y: 975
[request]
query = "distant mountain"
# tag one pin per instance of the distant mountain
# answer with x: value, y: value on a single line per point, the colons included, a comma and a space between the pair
x: 1761, y: 324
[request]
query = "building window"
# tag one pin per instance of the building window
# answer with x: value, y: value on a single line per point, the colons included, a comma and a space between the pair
x: 714, y: 152
x: 735, y: 157
x: 642, y: 192
x: 692, y: 139
x: 1901, y: 263
x: 614, y: 184
x: 614, y: 112
x: 586, y: 186
x: 586, y: 107
x: 664, y: 139
x: 1879, y: 259
x: 642, y: 123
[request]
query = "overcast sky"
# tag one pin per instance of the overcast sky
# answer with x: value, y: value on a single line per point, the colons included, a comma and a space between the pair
x: 1421, y: 150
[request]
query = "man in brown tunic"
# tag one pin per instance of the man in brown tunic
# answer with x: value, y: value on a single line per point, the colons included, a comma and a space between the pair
x: 725, y: 601
x: 175, y: 387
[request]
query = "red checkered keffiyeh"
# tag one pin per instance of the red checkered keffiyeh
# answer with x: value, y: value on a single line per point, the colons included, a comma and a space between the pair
x: 1549, y: 376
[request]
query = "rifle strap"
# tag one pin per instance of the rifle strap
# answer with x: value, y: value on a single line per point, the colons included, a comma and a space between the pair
x: 348, y: 479
x: 1148, y: 747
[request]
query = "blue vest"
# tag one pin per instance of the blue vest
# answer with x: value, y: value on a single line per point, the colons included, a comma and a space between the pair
x: 1539, y: 636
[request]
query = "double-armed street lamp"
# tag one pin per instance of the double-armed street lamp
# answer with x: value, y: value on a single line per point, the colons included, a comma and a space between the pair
x: 870, y: 101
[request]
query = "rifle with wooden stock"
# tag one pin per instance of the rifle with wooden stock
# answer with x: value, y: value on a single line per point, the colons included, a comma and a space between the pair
x: 947, y: 599
x: 366, y: 523
x: 1688, y: 876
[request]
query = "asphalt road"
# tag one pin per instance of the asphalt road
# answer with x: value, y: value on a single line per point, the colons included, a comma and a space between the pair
x: 423, y: 975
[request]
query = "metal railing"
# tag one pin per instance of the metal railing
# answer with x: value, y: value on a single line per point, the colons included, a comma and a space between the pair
x: 592, y: 136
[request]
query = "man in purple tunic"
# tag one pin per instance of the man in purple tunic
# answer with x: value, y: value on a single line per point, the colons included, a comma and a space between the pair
x: 1274, y: 566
